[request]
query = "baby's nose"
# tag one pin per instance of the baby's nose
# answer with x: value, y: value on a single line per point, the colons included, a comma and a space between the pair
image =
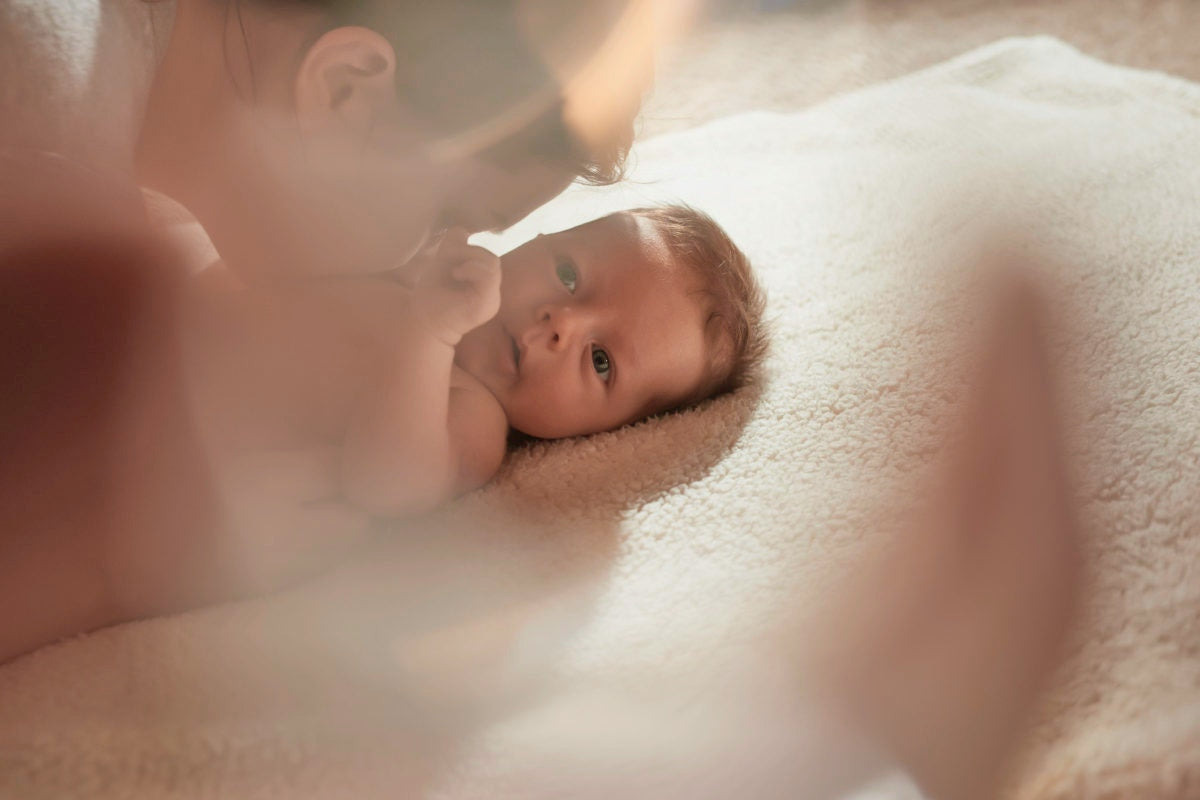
x: 560, y: 324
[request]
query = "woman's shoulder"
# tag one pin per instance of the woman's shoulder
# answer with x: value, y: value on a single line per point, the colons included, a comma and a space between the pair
x: 75, y: 75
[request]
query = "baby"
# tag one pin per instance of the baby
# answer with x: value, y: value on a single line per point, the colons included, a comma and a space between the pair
x: 420, y: 382
x: 314, y: 405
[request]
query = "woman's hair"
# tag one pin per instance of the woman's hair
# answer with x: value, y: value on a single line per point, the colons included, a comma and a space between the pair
x: 471, y: 65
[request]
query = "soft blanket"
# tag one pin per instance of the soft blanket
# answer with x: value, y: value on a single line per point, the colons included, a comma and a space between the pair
x: 570, y: 619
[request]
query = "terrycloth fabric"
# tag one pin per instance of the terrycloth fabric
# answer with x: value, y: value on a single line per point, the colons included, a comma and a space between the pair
x: 593, y: 611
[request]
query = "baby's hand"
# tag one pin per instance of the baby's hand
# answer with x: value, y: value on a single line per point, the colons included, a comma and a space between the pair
x: 458, y: 289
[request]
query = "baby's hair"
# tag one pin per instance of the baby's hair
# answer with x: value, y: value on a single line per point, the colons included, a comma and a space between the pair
x: 733, y: 299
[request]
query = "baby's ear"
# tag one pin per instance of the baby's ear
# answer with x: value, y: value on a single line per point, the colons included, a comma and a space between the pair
x: 346, y: 82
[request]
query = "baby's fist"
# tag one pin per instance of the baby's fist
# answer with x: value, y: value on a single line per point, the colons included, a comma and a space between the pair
x: 458, y: 289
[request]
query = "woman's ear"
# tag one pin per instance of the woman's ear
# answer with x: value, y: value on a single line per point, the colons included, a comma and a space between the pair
x: 347, y: 80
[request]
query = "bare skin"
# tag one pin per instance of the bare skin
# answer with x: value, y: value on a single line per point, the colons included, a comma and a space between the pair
x: 266, y: 112
x: 291, y: 140
x: 944, y: 670
x: 590, y: 329
x: 314, y: 406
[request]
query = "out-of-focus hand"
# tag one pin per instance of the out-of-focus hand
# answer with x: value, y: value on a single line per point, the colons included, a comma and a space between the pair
x: 457, y: 289
x: 939, y: 648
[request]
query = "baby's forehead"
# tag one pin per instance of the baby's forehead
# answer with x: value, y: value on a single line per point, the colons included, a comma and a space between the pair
x: 620, y: 228
x: 632, y: 240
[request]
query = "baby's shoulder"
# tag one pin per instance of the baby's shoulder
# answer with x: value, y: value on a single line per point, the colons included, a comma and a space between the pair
x: 479, y: 426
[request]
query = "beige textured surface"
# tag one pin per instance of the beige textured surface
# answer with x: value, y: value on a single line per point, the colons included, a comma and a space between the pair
x: 1103, y: 736
x: 792, y: 59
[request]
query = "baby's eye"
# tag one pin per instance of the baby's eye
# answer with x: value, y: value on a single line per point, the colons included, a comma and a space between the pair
x: 601, y: 364
x: 566, y: 273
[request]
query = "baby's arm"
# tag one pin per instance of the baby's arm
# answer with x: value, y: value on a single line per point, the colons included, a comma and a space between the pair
x: 419, y: 438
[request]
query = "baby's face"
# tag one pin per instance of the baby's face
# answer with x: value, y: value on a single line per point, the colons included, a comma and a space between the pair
x: 596, y: 329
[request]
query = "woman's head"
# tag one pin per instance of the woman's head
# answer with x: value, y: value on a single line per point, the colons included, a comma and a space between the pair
x: 336, y: 135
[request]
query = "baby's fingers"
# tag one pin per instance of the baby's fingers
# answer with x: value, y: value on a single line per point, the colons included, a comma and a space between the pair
x: 481, y: 285
x: 477, y: 271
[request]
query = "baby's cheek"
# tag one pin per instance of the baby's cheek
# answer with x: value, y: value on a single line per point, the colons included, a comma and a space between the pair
x: 545, y: 410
